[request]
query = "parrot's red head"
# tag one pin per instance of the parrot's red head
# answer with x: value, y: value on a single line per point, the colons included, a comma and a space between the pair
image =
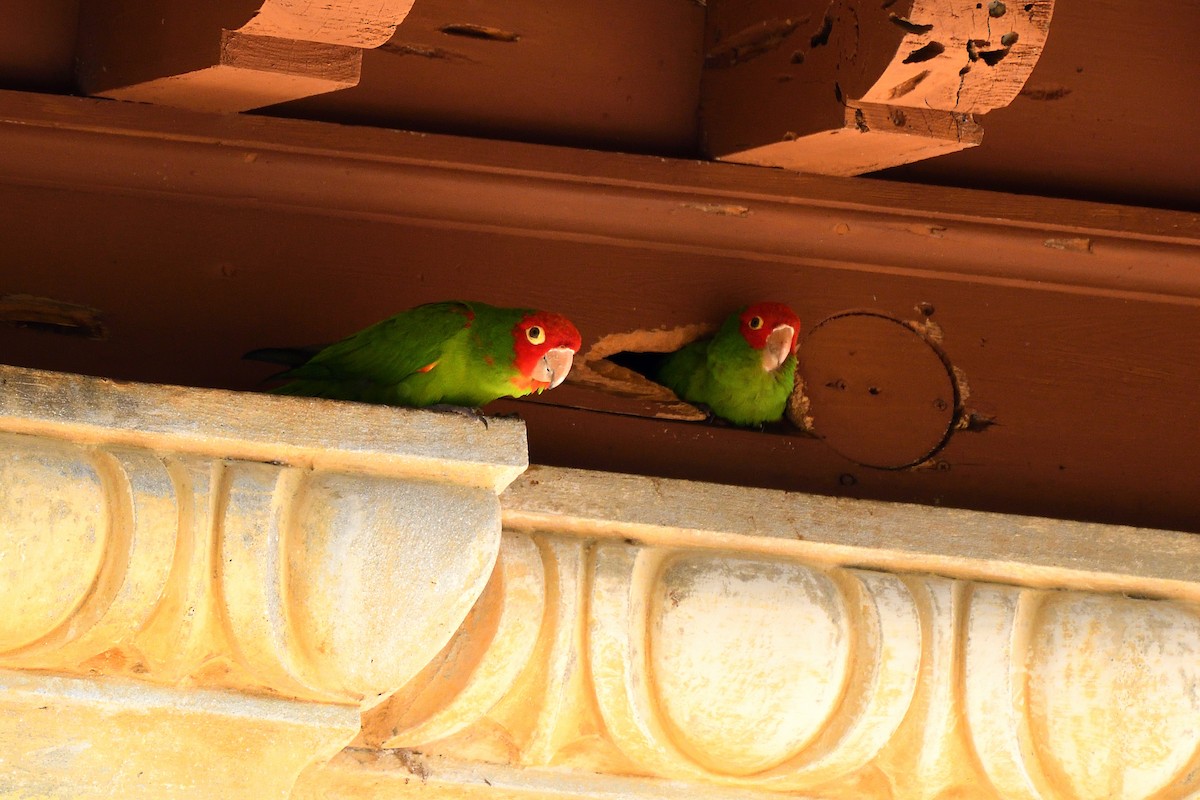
x: 772, y: 328
x: 545, y: 345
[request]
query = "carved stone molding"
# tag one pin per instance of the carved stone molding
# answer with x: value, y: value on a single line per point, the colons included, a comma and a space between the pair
x: 204, y: 590
x: 744, y: 641
x: 159, y: 539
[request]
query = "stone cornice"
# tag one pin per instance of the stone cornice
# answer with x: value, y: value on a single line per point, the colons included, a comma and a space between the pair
x: 754, y: 641
x: 239, y: 541
x: 833, y: 531
x: 207, y: 588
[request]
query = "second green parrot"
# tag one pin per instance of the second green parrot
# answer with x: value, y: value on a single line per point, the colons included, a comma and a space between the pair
x: 453, y: 353
x: 746, y: 371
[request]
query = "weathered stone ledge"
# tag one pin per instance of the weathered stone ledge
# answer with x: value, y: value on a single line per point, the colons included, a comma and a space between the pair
x: 834, y: 531
x: 319, y: 553
x: 299, y: 432
x: 758, y: 641
x: 202, y: 591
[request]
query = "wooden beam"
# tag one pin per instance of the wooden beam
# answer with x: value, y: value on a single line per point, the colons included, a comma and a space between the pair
x: 229, y: 55
x: 1066, y: 326
x: 845, y: 88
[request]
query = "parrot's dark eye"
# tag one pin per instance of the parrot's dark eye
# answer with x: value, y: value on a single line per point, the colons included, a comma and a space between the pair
x: 535, y: 335
x: 756, y: 323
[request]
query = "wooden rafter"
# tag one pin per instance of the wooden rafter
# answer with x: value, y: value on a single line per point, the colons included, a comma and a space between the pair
x: 226, y: 57
x: 843, y: 88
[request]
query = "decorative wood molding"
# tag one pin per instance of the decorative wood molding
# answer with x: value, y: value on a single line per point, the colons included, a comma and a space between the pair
x: 216, y: 57
x: 238, y: 546
x: 659, y: 632
x: 843, y: 88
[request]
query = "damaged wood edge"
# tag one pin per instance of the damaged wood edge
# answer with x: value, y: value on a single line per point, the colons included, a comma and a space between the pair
x: 955, y: 61
x: 485, y: 32
x: 609, y: 387
x: 799, y: 408
x: 48, y: 315
x: 648, y: 341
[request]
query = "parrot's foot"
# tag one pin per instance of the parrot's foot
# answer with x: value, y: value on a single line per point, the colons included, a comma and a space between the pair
x: 466, y: 411
x: 710, y: 417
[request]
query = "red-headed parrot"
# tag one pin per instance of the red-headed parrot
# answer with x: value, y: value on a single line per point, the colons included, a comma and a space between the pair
x: 746, y: 371
x: 454, y: 353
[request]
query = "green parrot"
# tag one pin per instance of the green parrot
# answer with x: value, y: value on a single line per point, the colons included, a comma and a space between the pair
x: 746, y: 371
x: 454, y: 353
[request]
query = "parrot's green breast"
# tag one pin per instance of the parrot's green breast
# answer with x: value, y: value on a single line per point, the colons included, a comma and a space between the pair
x: 725, y: 373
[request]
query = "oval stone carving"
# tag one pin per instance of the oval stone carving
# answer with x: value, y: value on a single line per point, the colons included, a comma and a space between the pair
x: 1115, y: 694
x: 52, y: 510
x: 378, y: 589
x: 749, y: 658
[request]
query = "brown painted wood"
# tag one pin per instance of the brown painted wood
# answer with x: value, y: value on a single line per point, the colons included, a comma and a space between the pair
x: 37, y: 45
x: 231, y: 55
x: 846, y: 88
x: 196, y: 237
x: 1085, y: 125
x: 123, y: 44
x: 251, y: 72
x: 617, y: 76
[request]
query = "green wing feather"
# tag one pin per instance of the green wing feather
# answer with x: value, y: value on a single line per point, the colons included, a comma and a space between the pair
x: 390, y: 361
x: 685, y: 372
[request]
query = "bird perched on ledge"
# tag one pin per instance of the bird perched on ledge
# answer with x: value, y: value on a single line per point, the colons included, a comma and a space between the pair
x: 746, y: 371
x: 453, y: 353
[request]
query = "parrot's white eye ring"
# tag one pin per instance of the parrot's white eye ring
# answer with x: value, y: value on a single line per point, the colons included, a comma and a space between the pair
x: 535, y: 335
x: 756, y: 323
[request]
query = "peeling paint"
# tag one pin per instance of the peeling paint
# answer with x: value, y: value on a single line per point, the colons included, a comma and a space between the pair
x: 904, y: 87
x: 1048, y: 92
x: 720, y: 209
x: 473, y: 31
x: 925, y: 53
x: 908, y: 25
x: 423, y: 51
x: 52, y: 316
x: 752, y: 42
x: 936, y: 231
x: 1075, y: 245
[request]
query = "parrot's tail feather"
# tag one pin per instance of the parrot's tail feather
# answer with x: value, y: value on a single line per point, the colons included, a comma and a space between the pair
x: 284, y: 356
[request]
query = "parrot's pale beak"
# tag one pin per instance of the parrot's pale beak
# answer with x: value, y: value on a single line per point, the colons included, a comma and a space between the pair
x: 778, y: 347
x: 554, y: 366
